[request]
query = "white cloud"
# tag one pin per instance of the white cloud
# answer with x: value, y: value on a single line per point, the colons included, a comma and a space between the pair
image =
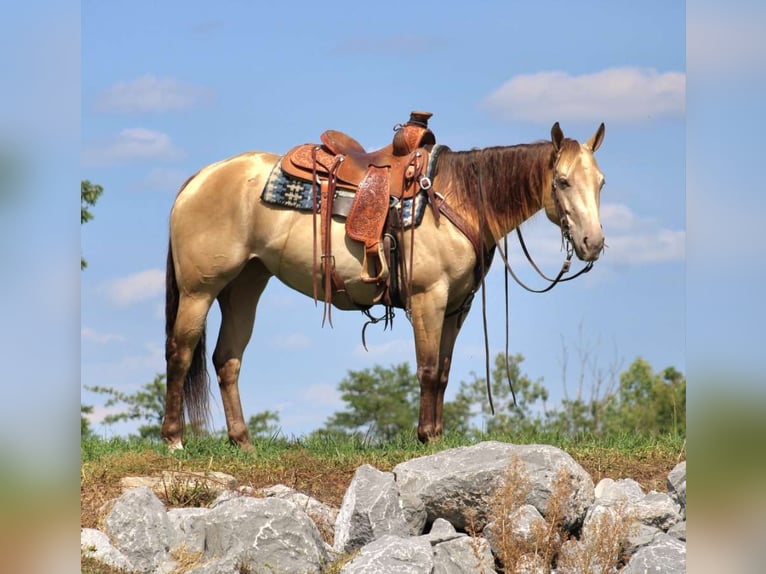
x: 132, y: 144
x: 150, y: 94
x: 136, y: 287
x: 629, y: 94
x: 89, y: 334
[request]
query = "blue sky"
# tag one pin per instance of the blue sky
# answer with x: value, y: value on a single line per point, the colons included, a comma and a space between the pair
x: 166, y: 91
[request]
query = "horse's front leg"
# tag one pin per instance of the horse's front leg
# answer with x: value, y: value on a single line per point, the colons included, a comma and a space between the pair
x: 450, y: 329
x: 427, y: 325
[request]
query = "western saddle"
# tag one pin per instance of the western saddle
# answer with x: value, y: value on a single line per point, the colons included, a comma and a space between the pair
x: 378, y: 180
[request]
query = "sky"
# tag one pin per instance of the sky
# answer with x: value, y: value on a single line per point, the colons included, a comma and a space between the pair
x: 164, y: 95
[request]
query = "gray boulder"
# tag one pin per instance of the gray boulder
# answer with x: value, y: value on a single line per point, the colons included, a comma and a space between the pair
x: 677, y: 485
x: 623, y: 491
x: 653, y: 509
x: 442, y: 531
x: 521, y: 525
x: 95, y: 544
x: 323, y: 515
x: 457, y: 482
x: 640, y: 535
x: 393, y: 555
x: 456, y: 552
x: 263, y: 534
x: 678, y: 530
x: 188, y: 528
x: 139, y: 528
x: 665, y: 555
x: 463, y: 555
x: 370, y: 509
x: 657, y: 509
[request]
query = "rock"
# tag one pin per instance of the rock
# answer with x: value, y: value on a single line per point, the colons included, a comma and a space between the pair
x: 456, y: 482
x: 598, y: 548
x: 678, y: 530
x: 95, y: 544
x: 370, y: 509
x: 640, y: 535
x: 263, y: 533
x: 521, y: 526
x: 653, y: 509
x: 677, y: 486
x: 324, y: 516
x: 130, y: 482
x: 140, y: 529
x: 393, y: 555
x: 442, y: 531
x: 463, y: 555
x: 611, y: 492
x: 225, y: 496
x: 665, y: 555
x: 657, y: 509
x: 188, y: 528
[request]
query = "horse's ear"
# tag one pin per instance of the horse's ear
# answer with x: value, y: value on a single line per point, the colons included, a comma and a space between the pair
x: 595, y: 140
x: 557, y: 136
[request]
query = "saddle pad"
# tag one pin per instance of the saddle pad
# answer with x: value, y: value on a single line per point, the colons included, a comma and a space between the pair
x: 286, y: 191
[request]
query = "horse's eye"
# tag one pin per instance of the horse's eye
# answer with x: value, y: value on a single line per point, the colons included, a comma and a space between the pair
x: 562, y: 183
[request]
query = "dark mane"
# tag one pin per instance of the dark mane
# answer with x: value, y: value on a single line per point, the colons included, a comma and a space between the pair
x: 513, y: 179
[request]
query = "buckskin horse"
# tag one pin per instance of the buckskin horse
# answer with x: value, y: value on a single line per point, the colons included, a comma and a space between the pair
x: 227, y: 241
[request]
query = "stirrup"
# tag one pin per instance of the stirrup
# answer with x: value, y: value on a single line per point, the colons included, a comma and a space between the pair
x: 382, y: 276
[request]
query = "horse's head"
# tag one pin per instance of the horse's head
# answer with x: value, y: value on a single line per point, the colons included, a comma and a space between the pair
x: 572, y: 202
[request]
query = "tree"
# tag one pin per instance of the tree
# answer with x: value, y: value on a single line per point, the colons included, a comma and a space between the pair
x: 649, y: 402
x: 264, y: 424
x: 89, y: 194
x: 526, y: 416
x: 85, y: 430
x: 146, y: 404
x: 382, y: 402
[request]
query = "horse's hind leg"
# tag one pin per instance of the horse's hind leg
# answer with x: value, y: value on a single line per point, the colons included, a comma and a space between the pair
x: 188, y: 327
x: 238, y: 302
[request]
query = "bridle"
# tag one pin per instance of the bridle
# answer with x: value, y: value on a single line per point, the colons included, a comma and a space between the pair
x: 566, y: 244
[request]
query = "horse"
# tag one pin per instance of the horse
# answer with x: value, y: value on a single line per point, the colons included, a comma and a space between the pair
x: 226, y: 243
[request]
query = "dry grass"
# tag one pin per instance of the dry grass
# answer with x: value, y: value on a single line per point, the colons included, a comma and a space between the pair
x: 549, y: 545
x: 600, y: 547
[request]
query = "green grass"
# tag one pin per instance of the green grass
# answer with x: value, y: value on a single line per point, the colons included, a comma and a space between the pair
x: 351, y: 448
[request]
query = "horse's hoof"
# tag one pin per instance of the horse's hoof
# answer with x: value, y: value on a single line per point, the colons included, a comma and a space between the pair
x: 175, y: 445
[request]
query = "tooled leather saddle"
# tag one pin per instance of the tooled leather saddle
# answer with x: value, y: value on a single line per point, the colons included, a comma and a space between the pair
x: 377, y: 178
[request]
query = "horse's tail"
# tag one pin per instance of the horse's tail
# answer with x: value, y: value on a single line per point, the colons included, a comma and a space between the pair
x: 196, y: 383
